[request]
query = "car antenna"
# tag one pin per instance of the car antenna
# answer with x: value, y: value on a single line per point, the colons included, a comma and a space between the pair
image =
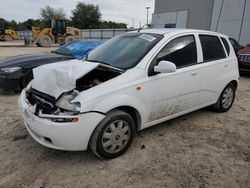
x: 141, y: 28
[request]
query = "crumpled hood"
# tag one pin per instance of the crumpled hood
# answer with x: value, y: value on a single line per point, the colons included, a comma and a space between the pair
x: 57, y: 78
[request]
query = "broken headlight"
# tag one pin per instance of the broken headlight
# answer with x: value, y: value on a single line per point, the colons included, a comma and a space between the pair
x: 65, y: 103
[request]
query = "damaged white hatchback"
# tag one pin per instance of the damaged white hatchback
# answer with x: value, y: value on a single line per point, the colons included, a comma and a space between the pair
x: 127, y: 84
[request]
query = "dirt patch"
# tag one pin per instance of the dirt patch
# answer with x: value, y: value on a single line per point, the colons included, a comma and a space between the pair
x: 9, y: 51
x: 201, y: 149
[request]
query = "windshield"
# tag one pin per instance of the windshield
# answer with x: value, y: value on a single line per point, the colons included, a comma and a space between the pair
x: 124, y: 51
x: 78, y: 49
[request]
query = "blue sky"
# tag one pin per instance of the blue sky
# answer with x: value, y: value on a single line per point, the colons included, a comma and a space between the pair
x: 114, y: 10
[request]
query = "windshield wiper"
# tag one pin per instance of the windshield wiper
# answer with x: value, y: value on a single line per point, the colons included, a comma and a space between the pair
x: 106, y: 64
x: 97, y: 61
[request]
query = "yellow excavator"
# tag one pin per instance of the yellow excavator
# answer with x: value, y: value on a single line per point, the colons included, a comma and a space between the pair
x: 59, y: 33
x: 6, y: 34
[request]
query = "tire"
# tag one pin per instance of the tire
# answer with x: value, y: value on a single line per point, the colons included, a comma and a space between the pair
x: 27, y: 41
x: 113, y: 135
x: 8, y: 38
x: 25, y: 80
x: 45, y: 41
x: 69, y: 39
x: 226, y: 99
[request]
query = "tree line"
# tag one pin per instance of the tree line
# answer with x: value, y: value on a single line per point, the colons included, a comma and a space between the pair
x: 84, y: 16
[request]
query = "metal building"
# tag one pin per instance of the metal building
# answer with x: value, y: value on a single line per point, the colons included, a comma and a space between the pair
x: 230, y: 17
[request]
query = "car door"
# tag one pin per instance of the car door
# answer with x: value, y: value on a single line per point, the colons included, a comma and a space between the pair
x: 170, y: 94
x: 215, y: 69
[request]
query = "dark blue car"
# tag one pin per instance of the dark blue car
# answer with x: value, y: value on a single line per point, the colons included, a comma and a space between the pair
x: 16, y: 72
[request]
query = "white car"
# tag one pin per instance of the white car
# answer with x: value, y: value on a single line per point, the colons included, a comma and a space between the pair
x: 131, y: 82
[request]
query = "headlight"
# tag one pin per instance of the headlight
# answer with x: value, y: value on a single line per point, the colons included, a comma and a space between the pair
x: 11, y: 69
x: 65, y: 102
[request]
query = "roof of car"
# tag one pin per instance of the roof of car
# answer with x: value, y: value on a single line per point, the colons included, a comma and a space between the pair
x: 174, y: 30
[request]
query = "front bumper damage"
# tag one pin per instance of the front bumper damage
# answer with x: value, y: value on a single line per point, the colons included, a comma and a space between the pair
x: 71, y: 136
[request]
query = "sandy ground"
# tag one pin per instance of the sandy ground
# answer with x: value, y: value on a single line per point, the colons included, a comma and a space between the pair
x: 202, y: 149
x: 7, y: 49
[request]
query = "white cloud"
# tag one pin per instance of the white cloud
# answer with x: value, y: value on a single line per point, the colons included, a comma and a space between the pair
x: 113, y: 10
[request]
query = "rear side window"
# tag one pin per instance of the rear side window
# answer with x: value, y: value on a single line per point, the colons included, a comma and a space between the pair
x: 226, y: 45
x: 212, y: 48
x: 180, y: 51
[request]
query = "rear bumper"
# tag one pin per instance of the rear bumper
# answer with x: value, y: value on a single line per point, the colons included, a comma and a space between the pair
x: 72, y: 136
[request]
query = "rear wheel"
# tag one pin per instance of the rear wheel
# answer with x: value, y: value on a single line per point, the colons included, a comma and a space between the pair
x: 226, y: 99
x: 45, y: 41
x: 7, y: 38
x: 113, y: 136
x: 69, y: 39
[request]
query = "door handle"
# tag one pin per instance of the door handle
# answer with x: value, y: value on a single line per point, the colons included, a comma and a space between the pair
x: 194, y: 73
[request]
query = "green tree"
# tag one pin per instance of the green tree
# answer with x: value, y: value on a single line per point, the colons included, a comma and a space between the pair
x: 86, y: 16
x: 48, y: 13
x: 11, y: 25
x: 110, y: 24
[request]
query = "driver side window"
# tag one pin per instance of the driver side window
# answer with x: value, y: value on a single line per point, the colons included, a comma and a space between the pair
x: 181, y: 51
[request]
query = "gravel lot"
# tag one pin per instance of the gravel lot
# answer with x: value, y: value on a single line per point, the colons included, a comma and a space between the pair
x: 202, y: 149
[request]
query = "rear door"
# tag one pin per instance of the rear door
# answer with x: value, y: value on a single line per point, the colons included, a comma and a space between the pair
x: 215, y: 68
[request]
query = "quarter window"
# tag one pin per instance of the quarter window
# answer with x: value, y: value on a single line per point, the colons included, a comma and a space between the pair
x: 212, y: 48
x: 181, y: 51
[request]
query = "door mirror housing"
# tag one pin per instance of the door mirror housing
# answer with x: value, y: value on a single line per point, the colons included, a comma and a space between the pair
x: 165, y: 67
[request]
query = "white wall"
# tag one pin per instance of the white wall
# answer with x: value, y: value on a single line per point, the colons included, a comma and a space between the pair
x: 229, y: 20
x: 177, y: 17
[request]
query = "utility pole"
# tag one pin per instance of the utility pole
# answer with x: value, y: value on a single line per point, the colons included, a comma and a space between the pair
x: 147, y: 14
x: 133, y: 21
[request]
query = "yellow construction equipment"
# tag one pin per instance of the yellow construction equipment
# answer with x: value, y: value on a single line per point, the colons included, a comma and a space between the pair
x: 6, y: 34
x: 57, y: 34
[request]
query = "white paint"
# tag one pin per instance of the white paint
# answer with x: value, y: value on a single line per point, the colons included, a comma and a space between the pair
x: 161, y: 97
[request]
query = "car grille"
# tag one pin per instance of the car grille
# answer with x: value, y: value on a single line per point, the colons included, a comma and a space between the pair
x: 244, y: 57
x: 43, y: 101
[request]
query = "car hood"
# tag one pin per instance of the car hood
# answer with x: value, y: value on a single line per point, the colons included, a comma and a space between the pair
x: 57, y: 78
x: 32, y: 60
x: 245, y: 50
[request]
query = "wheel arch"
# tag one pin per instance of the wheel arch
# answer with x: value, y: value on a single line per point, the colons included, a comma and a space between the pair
x: 235, y: 83
x: 133, y: 112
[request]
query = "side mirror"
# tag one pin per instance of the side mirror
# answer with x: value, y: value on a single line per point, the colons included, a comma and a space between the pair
x: 165, y: 67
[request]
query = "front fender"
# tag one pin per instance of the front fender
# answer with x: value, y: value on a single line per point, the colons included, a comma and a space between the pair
x: 112, y: 102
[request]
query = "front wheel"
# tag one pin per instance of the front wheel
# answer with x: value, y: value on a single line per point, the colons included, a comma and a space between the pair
x: 226, y: 99
x: 69, y: 39
x: 113, y: 136
x: 45, y: 41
